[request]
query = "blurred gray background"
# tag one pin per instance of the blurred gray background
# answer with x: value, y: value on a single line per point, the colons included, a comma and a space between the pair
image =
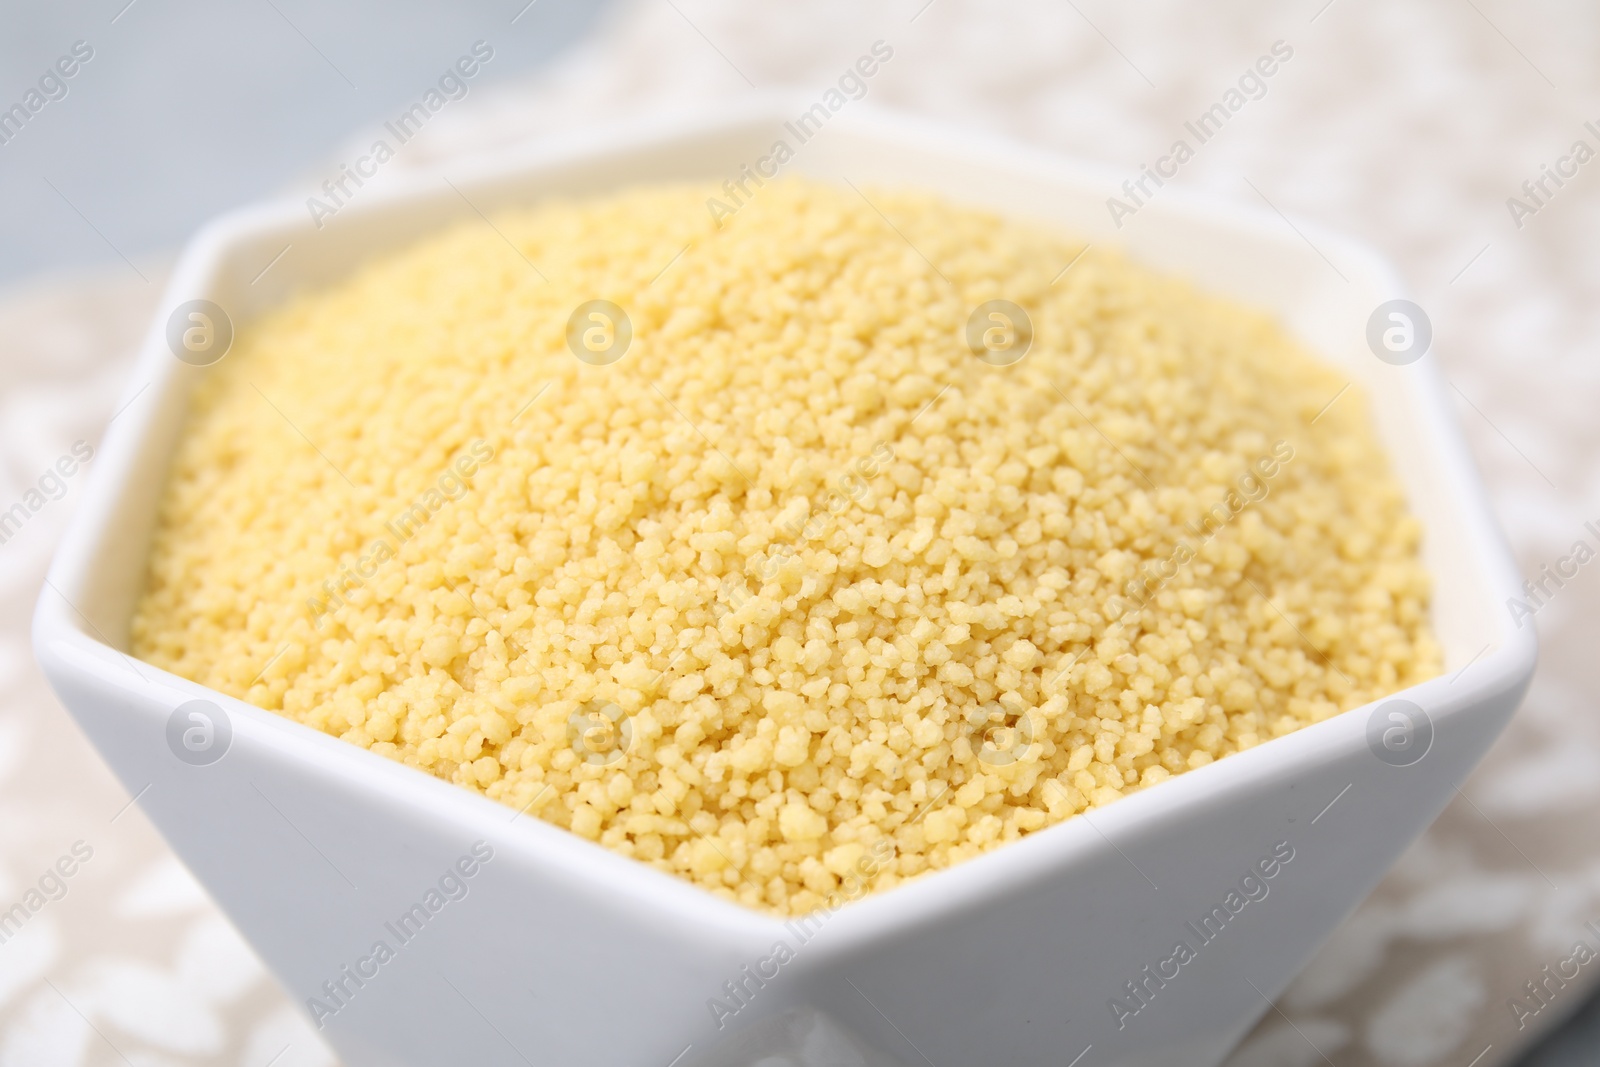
x: 189, y: 108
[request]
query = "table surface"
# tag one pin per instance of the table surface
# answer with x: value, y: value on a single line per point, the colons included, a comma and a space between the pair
x: 1405, y: 125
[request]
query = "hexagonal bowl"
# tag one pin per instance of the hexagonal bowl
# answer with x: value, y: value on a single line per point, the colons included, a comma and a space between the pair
x: 1060, y: 948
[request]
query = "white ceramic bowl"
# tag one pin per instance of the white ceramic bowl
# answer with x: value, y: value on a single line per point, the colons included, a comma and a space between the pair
x: 563, y: 953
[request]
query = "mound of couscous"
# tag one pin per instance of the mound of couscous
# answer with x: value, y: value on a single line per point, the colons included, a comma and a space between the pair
x: 764, y: 549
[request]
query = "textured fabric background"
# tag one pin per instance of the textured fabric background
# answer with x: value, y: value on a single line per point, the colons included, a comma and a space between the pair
x: 1407, y: 125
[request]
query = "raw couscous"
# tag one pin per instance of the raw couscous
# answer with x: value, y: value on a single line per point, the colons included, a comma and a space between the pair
x: 792, y: 586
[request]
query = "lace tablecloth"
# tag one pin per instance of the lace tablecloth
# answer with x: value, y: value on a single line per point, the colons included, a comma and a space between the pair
x: 1409, y: 125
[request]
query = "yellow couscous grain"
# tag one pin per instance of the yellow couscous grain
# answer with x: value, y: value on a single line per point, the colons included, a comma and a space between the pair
x: 803, y: 592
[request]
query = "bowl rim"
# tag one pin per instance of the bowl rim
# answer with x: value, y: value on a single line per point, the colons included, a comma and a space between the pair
x: 70, y: 646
